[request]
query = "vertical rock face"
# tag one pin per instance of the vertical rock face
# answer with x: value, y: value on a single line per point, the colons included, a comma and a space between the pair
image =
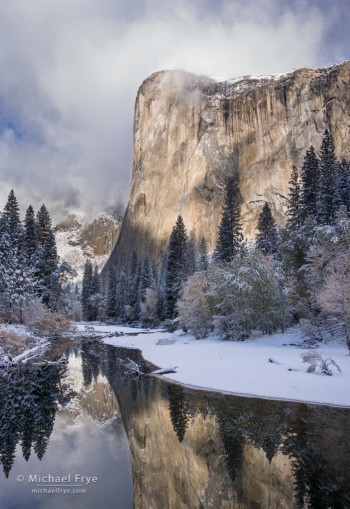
x: 192, y: 132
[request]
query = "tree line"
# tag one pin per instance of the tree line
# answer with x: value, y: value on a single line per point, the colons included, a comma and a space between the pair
x: 288, y: 274
x: 29, y: 264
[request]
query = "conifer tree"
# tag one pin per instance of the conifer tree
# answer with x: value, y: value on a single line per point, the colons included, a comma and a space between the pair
x: 86, y: 291
x: 230, y: 235
x: 294, y: 202
x: 310, y: 182
x: 190, y: 256
x: 267, y: 238
x: 11, y: 219
x: 174, y: 266
x: 30, y: 237
x: 111, y: 292
x: 203, y: 256
x: 48, y: 264
x: 342, y: 187
x: 121, y: 296
x: 44, y: 224
x: 146, y: 280
x: 325, y: 204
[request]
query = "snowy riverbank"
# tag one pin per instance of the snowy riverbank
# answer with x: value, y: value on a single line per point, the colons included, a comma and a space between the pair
x: 242, y: 367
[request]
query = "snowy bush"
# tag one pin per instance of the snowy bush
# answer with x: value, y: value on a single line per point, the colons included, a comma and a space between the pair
x: 148, y: 307
x: 317, y: 364
x: 234, y: 298
x: 43, y: 321
x: 195, y: 307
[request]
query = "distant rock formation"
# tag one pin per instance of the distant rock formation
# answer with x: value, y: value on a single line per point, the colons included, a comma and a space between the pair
x: 191, y: 132
x: 78, y: 239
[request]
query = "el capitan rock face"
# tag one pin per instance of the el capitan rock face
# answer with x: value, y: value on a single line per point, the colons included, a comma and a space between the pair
x: 192, y: 132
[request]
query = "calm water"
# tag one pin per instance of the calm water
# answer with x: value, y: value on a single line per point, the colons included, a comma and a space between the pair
x: 124, y: 440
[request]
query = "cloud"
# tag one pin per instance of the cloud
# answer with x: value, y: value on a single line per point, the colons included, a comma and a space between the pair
x: 70, y: 72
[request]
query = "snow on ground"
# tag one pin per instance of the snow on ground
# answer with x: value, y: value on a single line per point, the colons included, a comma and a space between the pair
x: 243, y: 367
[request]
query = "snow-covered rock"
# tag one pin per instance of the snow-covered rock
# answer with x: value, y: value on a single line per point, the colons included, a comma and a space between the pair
x: 78, y: 239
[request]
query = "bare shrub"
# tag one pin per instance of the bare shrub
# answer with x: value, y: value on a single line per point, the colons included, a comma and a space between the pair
x: 318, y: 364
x: 43, y: 321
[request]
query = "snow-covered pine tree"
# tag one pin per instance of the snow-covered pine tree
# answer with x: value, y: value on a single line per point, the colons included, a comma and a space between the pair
x: 294, y: 201
x: 325, y: 204
x: 267, y: 238
x: 190, y: 256
x: 146, y: 280
x: 174, y: 266
x: 30, y: 238
x: 203, y: 256
x: 111, y: 292
x: 11, y: 219
x: 48, y: 265
x: 121, y: 296
x: 230, y: 236
x: 86, y: 290
x: 342, y: 187
x: 44, y: 224
x: 310, y: 182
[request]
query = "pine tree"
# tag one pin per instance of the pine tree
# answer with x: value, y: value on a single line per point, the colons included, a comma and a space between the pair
x: 310, y: 182
x: 267, y: 238
x: 48, y: 264
x: 111, y: 293
x: 146, y: 280
x: 175, y: 266
x: 190, y: 256
x: 44, y: 224
x: 30, y: 237
x: 121, y: 296
x: 325, y: 204
x: 86, y: 291
x: 294, y: 202
x: 11, y: 218
x: 230, y: 235
x: 342, y: 187
x: 203, y: 256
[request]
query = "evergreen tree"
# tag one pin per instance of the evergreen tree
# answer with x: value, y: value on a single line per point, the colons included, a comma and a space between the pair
x: 190, y: 256
x: 310, y: 182
x: 30, y: 237
x: 267, y: 238
x: 86, y: 291
x: 294, y: 202
x: 47, y: 265
x: 111, y: 294
x: 342, y: 188
x: 325, y: 204
x: 203, y: 256
x: 11, y: 218
x: 230, y: 235
x: 44, y: 224
x: 146, y: 280
x: 121, y: 296
x: 175, y: 266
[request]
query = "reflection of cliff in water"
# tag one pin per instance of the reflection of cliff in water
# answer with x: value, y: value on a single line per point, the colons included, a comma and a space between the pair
x: 188, y: 449
x: 197, y: 449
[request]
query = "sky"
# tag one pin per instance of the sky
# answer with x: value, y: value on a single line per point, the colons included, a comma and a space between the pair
x: 70, y: 71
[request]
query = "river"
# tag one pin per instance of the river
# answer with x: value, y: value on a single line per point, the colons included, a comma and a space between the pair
x: 94, y: 434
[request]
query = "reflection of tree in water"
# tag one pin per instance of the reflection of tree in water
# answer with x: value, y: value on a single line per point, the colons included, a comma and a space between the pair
x: 179, y: 411
x: 91, y: 362
x: 233, y: 442
x: 28, y: 404
x: 318, y: 444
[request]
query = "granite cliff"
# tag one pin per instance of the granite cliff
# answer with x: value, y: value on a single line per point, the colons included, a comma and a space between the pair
x: 192, y: 132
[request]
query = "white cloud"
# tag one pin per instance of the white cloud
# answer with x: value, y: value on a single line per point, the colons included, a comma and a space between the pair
x: 70, y: 73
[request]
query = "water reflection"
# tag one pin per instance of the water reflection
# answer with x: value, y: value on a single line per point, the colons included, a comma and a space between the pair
x: 187, y: 448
